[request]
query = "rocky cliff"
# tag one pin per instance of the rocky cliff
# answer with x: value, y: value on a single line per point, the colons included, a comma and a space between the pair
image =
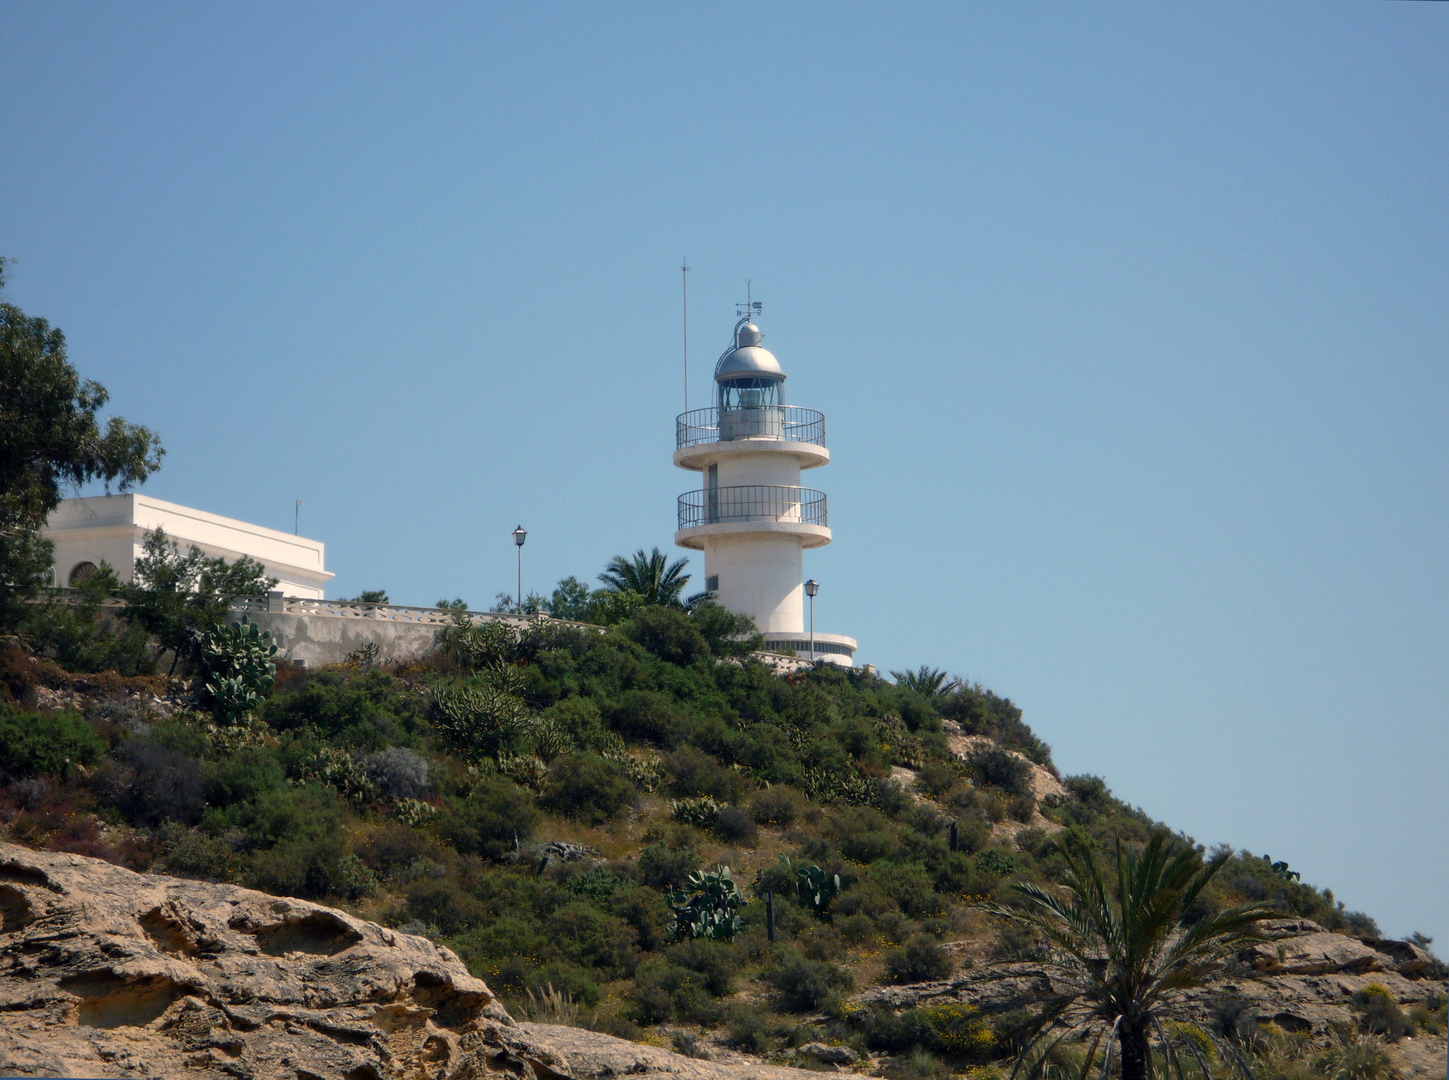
x: 108, y: 973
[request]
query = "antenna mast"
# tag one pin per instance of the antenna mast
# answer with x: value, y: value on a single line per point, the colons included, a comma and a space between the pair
x: 684, y: 273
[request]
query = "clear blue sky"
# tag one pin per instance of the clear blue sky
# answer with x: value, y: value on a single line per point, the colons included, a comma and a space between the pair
x: 1129, y: 323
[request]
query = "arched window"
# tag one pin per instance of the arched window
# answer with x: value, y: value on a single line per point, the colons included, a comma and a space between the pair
x: 80, y: 572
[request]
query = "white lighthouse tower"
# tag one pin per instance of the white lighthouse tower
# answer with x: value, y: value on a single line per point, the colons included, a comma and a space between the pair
x: 751, y: 517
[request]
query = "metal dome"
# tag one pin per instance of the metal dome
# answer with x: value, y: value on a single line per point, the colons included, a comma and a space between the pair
x: 748, y: 357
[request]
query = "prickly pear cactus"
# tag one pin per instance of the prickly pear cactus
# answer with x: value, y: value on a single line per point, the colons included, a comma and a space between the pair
x: 239, y: 661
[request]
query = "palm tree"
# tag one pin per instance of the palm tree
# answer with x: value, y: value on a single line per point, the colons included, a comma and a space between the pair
x: 1121, y: 955
x: 931, y: 682
x: 647, y: 575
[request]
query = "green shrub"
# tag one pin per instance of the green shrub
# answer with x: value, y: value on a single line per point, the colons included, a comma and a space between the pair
x: 863, y: 834
x: 999, y: 767
x: 580, y: 719
x: 751, y: 1029
x: 1088, y: 789
x: 310, y: 867
x: 360, y: 710
x: 735, y: 826
x: 151, y: 784
x: 920, y: 960
x: 777, y: 805
x: 1380, y: 1012
x: 402, y: 854
x: 726, y: 633
x: 242, y: 776
x: 684, y: 985
x: 442, y: 903
x: 803, y: 985
x: 496, y: 814
x: 588, y: 937
x: 664, y: 867
x: 588, y: 788
x: 907, y: 883
x: 936, y: 778
x: 644, y: 715
x: 668, y: 634
x: 961, y: 1031
x: 191, y: 853
x: 693, y: 772
x: 996, y: 862
x: 895, y: 1033
x: 37, y: 743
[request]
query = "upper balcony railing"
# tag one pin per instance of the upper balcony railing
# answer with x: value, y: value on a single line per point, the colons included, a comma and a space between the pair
x: 752, y: 502
x: 788, y: 423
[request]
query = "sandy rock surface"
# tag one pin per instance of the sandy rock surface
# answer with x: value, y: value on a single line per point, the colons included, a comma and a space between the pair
x: 593, y: 1055
x: 108, y: 973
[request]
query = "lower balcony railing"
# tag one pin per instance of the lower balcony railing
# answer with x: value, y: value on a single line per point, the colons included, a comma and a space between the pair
x: 752, y: 502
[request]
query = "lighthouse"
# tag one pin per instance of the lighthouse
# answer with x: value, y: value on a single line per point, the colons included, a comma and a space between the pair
x: 750, y: 515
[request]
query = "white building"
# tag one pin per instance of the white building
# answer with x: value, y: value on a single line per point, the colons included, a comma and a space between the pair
x: 112, y: 528
x: 751, y: 517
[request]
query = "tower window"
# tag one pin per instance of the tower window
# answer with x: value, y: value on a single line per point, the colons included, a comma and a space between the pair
x: 711, y: 583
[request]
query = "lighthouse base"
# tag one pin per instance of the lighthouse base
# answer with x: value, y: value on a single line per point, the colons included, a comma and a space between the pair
x: 832, y: 648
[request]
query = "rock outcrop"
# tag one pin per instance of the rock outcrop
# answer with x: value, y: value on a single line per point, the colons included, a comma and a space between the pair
x: 1303, y: 979
x: 108, y: 973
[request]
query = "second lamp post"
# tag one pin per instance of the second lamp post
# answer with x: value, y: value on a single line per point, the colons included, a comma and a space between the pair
x: 811, y: 588
x: 519, y: 536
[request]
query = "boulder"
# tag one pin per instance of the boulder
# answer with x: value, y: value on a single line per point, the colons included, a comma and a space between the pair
x: 1320, y: 953
x: 1405, y: 957
x: 830, y: 1055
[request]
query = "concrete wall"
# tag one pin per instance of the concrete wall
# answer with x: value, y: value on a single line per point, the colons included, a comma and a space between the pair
x: 319, y: 640
x: 321, y: 632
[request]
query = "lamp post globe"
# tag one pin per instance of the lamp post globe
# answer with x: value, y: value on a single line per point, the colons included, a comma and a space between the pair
x: 520, y: 534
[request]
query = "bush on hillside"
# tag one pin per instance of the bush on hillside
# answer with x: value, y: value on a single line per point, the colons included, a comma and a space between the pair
x: 496, y: 815
x: 693, y: 772
x: 803, y: 985
x: 152, y: 784
x: 921, y: 959
x: 778, y: 805
x: 588, y: 788
x: 49, y: 744
x: 643, y: 715
x: 664, y: 867
x: 1000, y: 768
x: 735, y: 826
x: 397, y: 773
x: 668, y: 634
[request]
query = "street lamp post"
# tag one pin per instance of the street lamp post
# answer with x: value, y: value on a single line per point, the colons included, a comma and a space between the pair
x: 519, y: 536
x: 811, y: 588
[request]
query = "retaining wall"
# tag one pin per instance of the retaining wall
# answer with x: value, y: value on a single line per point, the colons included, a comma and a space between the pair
x: 316, y: 633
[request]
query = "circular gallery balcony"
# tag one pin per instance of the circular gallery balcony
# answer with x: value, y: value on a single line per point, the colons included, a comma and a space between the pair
x: 753, y: 510
x: 701, y: 435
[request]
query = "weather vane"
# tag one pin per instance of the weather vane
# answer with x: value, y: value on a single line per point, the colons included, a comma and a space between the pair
x: 751, y: 307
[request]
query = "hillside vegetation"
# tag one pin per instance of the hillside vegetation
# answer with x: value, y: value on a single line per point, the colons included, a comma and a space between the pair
x: 539, y: 802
